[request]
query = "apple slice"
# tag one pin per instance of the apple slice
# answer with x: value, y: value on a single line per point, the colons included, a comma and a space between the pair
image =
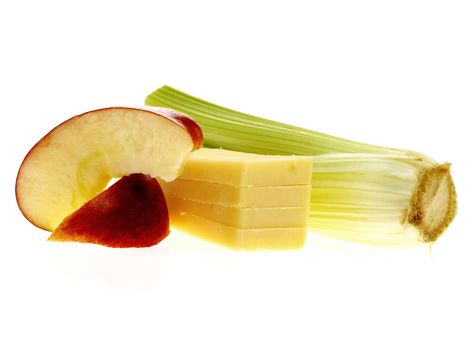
x: 75, y: 161
x: 130, y: 213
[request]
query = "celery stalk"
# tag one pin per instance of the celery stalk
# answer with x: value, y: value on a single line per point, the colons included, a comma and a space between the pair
x: 361, y: 192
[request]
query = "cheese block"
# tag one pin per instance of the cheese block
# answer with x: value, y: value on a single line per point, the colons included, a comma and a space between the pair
x: 242, y: 217
x: 242, y: 200
x: 237, y: 238
x: 244, y: 196
x: 246, y: 169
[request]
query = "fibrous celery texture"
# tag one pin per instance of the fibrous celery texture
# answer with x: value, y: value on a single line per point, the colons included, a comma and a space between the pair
x: 360, y: 192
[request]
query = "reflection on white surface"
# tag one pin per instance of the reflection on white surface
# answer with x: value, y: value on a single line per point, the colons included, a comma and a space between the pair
x: 129, y: 297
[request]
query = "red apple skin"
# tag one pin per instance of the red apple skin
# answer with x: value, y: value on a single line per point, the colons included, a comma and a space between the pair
x: 185, y: 121
x: 179, y: 118
x: 132, y: 213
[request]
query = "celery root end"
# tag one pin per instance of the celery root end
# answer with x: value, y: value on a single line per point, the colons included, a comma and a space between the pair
x: 434, y: 202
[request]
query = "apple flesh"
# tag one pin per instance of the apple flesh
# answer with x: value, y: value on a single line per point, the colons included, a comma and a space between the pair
x: 130, y: 213
x: 75, y: 161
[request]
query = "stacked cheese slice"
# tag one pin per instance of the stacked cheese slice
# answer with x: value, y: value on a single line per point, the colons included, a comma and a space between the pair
x: 242, y: 200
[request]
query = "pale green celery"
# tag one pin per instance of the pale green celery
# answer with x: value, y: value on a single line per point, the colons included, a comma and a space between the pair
x: 372, y: 194
x: 365, y: 197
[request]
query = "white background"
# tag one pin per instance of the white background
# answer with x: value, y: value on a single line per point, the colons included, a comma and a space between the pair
x: 386, y: 72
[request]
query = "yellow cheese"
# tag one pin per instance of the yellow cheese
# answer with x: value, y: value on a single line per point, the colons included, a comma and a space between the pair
x: 242, y: 200
x: 242, y: 169
x: 242, y: 217
x: 237, y: 238
x: 245, y: 196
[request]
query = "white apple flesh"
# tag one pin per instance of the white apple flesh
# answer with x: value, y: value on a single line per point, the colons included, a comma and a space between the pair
x: 75, y: 161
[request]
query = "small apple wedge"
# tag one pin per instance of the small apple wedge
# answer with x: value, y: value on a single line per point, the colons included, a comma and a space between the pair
x: 130, y: 213
x: 75, y: 161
